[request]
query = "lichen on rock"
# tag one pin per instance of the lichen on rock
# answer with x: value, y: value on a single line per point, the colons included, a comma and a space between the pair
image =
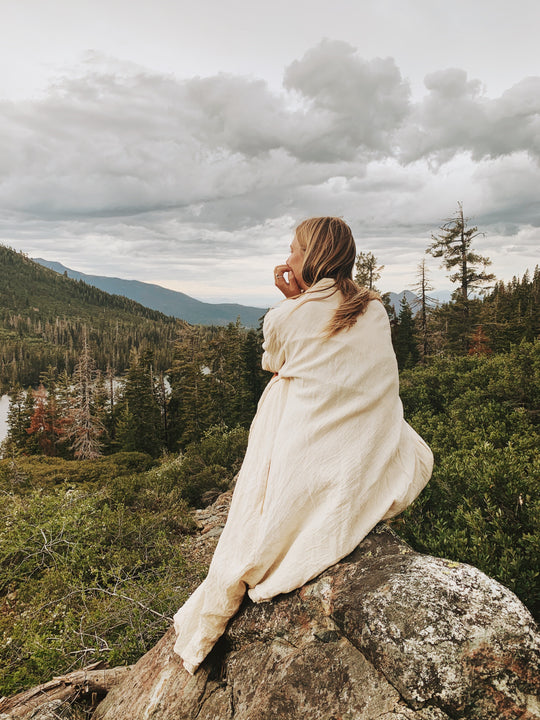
x: 386, y: 634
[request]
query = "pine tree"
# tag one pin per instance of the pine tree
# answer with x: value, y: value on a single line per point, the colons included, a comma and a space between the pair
x: 404, y: 337
x: 140, y: 426
x: 422, y: 288
x: 102, y: 409
x: 367, y: 274
x: 18, y: 419
x: 454, y: 246
x: 367, y: 270
x: 190, y: 405
x: 85, y: 428
x: 255, y: 377
x: 162, y: 394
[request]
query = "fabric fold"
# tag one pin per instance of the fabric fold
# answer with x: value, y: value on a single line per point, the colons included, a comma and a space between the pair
x: 329, y: 456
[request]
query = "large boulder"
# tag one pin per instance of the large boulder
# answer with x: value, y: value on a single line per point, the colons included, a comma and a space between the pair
x: 387, y: 633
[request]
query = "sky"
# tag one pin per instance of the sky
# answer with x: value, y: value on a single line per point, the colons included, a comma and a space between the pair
x: 180, y: 143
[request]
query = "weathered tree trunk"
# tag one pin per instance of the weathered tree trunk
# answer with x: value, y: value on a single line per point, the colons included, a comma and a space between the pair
x: 45, y: 700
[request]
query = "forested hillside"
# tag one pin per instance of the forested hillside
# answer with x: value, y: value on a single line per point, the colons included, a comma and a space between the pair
x: 170, y: 302
x: 98, y: 479
x: 509, y: 313
x: 44, y: 318
x: 93, y: 553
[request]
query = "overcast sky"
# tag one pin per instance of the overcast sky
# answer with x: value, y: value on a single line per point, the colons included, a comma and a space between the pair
x: 180, y: 143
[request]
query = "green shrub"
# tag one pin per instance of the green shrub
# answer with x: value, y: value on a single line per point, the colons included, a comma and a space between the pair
x: 88, y: 572
x: 92, y: 553
x: 209, y: 464
x: 22, y: 473
x: 482, y: 505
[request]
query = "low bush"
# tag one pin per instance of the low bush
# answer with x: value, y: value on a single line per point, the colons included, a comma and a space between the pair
x: 482, y: 505
x: 92, y: 554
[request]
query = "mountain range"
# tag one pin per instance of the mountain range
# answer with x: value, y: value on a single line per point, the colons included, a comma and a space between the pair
x: 169, y: 302
x: 180, y: 305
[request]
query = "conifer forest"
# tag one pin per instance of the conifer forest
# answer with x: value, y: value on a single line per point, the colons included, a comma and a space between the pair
x: 123, y: 420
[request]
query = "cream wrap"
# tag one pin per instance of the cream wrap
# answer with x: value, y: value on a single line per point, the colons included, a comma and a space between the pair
x: 329, y: 456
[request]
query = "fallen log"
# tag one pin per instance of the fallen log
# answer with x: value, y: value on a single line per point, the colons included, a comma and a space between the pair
x: 90, y: 683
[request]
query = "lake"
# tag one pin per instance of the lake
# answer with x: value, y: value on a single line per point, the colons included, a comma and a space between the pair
x: 4, y: 407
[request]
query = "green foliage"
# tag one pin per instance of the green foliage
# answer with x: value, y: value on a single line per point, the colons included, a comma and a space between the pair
x: 481, y: 417
x: 22, y: 474
x: 209, y: 464
x: 511, y: 312
x: 454, y: 246
x: 404, y: 337
x: 44, y: 318
x: 91, y: 553
x: 215, y: 378
x: 140, y: 426
x: 367, y: 270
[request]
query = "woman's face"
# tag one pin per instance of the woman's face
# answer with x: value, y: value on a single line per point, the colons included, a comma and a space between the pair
x: 295, y: 262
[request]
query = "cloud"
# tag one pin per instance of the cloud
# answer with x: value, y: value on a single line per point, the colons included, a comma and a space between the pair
x: 509, y: 192
x: 456, y: 116
x: 196, y: 175
x: 356, y: 104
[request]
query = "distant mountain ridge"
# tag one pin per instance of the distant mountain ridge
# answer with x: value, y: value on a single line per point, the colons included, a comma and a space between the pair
x: 438, y: 298
x: 169, y: 302
x: 179, y: 305
x: 395, y: 300
x: 46, y: 318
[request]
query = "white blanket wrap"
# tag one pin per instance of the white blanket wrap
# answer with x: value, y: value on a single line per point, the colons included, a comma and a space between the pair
x: 329, y: 456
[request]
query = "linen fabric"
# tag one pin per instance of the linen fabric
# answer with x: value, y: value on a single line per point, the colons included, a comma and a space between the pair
x: 329, y: 456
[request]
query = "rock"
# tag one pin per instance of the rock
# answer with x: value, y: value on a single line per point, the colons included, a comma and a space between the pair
x: 386, y: 634
x: 210, y: 496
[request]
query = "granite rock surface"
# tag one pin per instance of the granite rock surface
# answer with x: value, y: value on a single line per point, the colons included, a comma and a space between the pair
x: 386, y: 634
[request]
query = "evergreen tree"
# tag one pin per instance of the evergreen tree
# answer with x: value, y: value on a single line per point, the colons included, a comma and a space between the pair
x: 511, y: 313
x: 140, y: 426
x: 163, y: 401
x: 85, y: 428
x: 108, y: 414
x: 18, y: 419
x: 367, y: 274
x: 367, y: 270
x: 255, y: 377
x: 190, y: 406
x: 422, y: 288
x: 227, y: 378
x: 454, y: 246
x: 405, y: 337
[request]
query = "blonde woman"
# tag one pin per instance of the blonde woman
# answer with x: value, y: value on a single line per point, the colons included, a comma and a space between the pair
x: 329, y: 453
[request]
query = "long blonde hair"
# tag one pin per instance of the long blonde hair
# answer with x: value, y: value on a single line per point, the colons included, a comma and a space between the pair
x: 330, y: 252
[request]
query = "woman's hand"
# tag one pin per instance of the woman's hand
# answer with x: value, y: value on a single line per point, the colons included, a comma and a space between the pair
x: 288, y: 285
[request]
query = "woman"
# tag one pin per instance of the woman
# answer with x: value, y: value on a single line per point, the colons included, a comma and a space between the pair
x: 329, y: 453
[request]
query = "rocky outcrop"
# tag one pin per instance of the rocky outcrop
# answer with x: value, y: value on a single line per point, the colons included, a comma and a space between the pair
x: 386, y: 634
